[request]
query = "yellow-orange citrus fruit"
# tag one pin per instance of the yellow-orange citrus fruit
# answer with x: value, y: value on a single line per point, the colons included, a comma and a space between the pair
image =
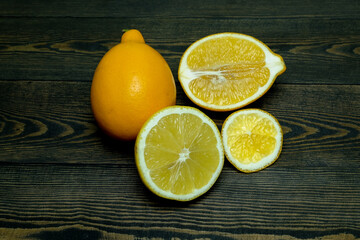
x: 131, y: 83
x: 252, y: 139
x: 179, y: 153
x: 227, y: 71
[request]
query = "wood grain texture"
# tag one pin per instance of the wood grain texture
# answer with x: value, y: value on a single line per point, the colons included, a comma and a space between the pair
x: 315, y: 50
x: 61, y: 199
x: 62, y: 178
x: 52, y: 122
x: 185, y: 8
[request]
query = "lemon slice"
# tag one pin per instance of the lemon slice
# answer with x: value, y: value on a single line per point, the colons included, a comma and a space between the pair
x: 179, y: 153
x: 226, y: 71
x: 252, y: 139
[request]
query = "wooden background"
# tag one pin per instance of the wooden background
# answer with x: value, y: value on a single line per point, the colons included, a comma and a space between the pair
x: 62, y: 178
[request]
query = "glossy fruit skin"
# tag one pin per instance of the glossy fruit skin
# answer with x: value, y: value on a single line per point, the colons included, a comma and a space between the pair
x: 131, y: 82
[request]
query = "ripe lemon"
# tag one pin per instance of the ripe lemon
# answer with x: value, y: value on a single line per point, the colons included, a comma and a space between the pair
x: 179, y: 153
x: 226, y: 71
x: 131, y: 83
x: 252, y: 139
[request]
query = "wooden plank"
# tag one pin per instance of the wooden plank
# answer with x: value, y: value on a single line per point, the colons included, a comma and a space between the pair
x: 62, y: 178
x: 315, y: 50
x: 110, y: 202
x: 52, y: 122
x: 186, y: 8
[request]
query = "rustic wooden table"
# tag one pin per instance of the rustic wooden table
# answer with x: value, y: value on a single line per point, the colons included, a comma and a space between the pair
x: 62, y: 178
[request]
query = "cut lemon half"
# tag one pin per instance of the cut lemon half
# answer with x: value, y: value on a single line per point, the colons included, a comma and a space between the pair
x: 179, y: 153
x: 226, y: 71
x: 252, y: 139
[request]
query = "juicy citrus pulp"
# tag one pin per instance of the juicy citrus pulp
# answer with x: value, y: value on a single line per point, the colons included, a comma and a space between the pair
x: 179, y: 153
x: 227, y: 71
x: 252, y: 139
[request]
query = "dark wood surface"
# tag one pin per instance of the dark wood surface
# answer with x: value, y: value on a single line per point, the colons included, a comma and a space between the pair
x: 62, y: 178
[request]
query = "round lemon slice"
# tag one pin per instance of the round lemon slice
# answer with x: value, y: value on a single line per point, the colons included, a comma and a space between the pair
x: 252, y: 139
x: 227, y: 71
x: 179, y: 153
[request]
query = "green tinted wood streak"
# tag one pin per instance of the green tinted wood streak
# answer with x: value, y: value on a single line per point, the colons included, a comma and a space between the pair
x: 326, y: 54
x: 66, y: 230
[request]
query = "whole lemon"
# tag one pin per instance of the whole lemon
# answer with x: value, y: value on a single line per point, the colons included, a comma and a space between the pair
x: 131, y: 82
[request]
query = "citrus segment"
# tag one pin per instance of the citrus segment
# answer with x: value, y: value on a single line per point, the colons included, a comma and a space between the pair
x: 252, y: 139
x: 227, y: 71
x: 179, y: 153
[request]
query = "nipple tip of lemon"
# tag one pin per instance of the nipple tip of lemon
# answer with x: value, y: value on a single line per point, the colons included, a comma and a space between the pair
x: 132, y: 35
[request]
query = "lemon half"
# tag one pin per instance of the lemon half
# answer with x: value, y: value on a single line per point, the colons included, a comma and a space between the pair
x: 227, y: 71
